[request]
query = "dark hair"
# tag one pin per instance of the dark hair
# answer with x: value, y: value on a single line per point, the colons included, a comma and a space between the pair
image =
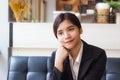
x: 63, y: 16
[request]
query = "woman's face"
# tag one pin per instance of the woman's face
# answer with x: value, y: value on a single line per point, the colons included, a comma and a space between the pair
x: 68, y: 34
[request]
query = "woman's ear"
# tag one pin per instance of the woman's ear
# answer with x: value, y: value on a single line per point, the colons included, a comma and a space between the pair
x: 81, y: 30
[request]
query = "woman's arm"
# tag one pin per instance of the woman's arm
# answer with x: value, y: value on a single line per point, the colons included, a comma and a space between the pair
x: 55, y: 74
x: 60, y: 56
x: 56, y: 63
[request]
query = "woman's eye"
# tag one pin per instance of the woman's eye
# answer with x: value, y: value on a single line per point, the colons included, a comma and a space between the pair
x: 71, y: 29
x: 60, y: 33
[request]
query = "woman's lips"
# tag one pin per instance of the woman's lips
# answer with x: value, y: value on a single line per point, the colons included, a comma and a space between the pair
x: 68, y: 41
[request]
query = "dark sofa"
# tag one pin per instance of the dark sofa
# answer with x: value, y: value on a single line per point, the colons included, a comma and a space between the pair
x: 37, y: 68
x: 113, y: 69
x: 28, y: 68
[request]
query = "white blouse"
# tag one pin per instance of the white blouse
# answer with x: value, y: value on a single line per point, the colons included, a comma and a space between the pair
x: 75, y: 65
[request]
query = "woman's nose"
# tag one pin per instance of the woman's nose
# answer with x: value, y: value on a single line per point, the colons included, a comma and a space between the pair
x: 66, y: 35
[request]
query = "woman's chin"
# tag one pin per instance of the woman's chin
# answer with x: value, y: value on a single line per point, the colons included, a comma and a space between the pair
x: 68, y: 47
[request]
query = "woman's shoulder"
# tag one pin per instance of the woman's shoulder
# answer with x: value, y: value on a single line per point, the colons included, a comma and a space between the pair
x: 92, y: 47
x: 94, y: 50
x: 53, y: 54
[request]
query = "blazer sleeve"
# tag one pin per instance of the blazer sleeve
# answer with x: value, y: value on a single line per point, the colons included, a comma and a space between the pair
x: 98, y: 67
x: 55, y: 74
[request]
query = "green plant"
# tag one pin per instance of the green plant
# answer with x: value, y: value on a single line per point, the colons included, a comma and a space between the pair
x: 113, y: 4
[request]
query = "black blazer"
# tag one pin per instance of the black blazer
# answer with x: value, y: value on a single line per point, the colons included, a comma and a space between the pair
x: 92, y: 65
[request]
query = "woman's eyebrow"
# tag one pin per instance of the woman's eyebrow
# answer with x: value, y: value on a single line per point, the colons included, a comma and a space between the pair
x: 71, y: 26
x: 59, y: 30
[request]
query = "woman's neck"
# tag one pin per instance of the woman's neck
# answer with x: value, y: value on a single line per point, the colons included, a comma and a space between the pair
x: 75, y: 50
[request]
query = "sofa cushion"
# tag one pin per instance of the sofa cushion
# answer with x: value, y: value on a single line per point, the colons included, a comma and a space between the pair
x: 113, y: 69
x: 38, y: 68
x: 28, y: 68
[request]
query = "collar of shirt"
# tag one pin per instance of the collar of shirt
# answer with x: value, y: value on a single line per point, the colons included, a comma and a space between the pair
x: 78, y: 58
x: 75, y: 65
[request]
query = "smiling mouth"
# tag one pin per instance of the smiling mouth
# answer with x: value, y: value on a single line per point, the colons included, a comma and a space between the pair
x: 68, y: 41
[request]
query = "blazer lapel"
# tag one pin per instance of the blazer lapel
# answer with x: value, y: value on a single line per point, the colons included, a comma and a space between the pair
x: 85, y: 62
x: 84, y: 67
x: 68, y: 69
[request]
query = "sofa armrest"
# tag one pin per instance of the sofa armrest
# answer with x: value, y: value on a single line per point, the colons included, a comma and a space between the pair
x: 113, y: 69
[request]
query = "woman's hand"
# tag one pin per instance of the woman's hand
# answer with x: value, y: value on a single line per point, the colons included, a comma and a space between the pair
x: 61, y: 55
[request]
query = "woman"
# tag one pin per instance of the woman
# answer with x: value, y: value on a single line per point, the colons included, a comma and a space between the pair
x: 75, y: 59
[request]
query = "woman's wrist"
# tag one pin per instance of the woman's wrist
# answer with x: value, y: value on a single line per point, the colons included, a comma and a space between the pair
x: 59, y: 65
